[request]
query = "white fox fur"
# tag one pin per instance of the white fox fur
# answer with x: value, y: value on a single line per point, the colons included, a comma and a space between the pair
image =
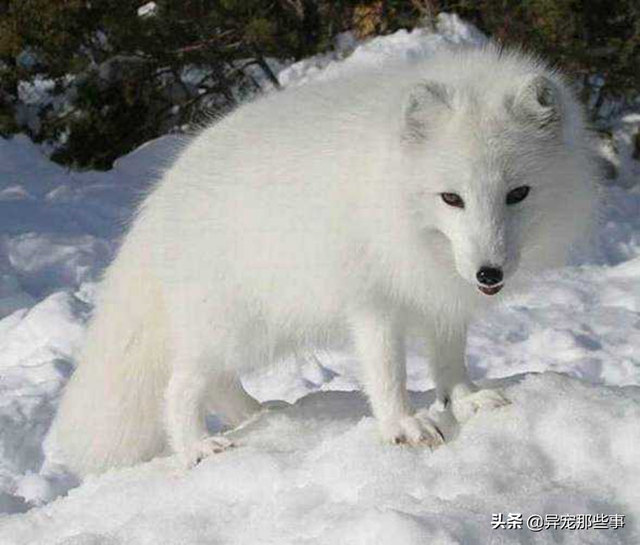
x: 315, y: 215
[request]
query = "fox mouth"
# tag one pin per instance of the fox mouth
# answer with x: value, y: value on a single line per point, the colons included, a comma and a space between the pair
x: 490, y: 290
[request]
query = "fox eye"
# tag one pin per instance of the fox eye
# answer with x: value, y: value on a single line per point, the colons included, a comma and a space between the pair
x: 518, y: 194
x: 452, y: 199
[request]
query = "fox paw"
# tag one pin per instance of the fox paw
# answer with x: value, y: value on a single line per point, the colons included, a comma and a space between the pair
x: 205, y: 448
x: 482, y: 400
x: 413, y: 430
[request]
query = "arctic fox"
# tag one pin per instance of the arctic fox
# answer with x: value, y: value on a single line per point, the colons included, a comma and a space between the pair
x: 404, y: 197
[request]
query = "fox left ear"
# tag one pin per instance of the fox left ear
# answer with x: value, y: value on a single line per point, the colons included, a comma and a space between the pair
x: 538, y: 102
x: 424, y: 103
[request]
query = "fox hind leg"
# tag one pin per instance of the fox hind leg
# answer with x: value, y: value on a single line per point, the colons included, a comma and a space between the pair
x: 229, y: 399
x: 185, y: 415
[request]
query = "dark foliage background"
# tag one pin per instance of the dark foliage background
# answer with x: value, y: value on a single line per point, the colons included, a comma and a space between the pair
x: 118, y: 77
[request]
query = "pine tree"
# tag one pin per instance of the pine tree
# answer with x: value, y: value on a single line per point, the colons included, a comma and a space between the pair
x: 122, y: 79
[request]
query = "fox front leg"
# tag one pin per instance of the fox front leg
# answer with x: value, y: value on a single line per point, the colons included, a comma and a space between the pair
x: 454, y: 388
x: 379, y: 342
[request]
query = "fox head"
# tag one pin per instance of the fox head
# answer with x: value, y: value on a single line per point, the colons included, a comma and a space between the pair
x: 498, y: 172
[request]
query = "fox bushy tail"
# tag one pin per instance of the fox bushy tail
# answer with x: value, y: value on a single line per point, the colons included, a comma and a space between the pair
x: 111, y: 411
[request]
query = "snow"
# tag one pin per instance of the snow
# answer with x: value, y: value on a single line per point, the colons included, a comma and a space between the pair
x: 401, y: 46
x: 565, y: 351
x: 315, y: 473
x: 147, y: 10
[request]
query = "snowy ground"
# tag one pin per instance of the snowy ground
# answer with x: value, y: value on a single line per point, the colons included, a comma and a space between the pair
x: 567, y: 353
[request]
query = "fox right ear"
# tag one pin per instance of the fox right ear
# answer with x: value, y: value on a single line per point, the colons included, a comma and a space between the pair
x: 538, y: 102
x: 420, y: 108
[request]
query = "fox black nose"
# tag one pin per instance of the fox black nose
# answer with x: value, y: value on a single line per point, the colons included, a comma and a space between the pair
x: 489, y: 276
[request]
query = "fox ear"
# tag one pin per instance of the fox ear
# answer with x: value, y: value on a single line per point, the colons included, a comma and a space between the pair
x: 538, y: 102
x: 423, y: 103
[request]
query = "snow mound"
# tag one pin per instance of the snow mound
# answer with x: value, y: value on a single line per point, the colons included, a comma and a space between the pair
x: 317, y: 473
x: 402, y: 46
